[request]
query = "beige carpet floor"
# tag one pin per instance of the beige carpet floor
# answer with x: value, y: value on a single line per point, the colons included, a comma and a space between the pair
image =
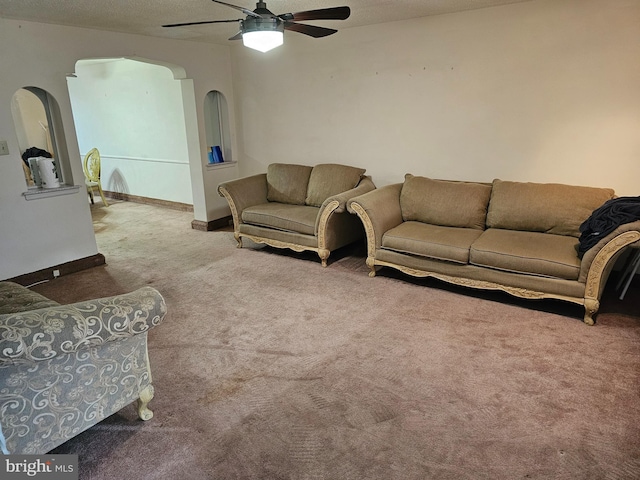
x: 268, y: 366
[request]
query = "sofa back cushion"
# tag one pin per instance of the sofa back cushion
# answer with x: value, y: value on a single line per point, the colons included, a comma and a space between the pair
x: 440, y: 202
x: 287, y: 183
x: 330, y: 179
x: 543, y: 207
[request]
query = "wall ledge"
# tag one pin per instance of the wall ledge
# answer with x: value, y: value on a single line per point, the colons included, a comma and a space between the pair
x: 216, y: 166
x: 38, y: 193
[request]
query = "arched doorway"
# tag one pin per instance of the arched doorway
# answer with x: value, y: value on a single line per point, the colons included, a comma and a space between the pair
x: 135, y: 113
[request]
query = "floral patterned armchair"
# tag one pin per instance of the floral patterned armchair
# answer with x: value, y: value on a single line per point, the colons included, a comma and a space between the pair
x: 64, y: 368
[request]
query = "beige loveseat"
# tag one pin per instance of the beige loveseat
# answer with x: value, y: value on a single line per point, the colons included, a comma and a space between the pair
x: 64, y: 368
x: 297, y: 206
x: 521, y: 238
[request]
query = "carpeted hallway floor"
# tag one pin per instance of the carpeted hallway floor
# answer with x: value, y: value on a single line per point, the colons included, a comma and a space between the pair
x: 268, y: 366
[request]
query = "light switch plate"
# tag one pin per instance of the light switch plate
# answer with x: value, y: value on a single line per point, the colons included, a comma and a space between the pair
x: 4, y: 148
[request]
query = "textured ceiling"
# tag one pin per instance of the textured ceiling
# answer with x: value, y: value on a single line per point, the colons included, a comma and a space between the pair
x: 145, y: 17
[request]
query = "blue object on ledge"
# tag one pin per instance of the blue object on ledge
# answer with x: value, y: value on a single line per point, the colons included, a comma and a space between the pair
x: 215, y: 156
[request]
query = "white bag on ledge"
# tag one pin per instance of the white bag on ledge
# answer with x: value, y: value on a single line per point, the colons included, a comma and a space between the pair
x: 48, y: 173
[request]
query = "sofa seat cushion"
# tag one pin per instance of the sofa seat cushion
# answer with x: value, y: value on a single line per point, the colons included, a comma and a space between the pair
x: 282, y: 216
x: 433, y: 241
x: 329, y: 179
x: 15, y: 298
x: 446, y: 203
x: 532, y: 253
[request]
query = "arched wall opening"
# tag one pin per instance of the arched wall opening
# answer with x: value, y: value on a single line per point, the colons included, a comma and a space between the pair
x: 39, y: 130
x: 133, y: 111
x: 216, y: 121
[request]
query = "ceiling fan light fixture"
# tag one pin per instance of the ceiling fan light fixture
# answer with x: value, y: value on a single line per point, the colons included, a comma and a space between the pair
x: 262, y: 34
x: 262, y: 40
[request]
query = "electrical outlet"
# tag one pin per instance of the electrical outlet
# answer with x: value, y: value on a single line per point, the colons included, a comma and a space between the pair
x: 4, y: 148
x: 56, y: 273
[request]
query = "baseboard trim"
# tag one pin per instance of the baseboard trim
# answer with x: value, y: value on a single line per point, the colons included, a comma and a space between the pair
x: 64, y: 269
x: 212, y: 224
x: 200, y: 225
x: 183, y: 207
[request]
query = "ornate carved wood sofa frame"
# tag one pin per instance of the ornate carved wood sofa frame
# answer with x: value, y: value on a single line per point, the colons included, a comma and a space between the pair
x: 297, y: 207
x: 521, y: 238
x: 64, y: 368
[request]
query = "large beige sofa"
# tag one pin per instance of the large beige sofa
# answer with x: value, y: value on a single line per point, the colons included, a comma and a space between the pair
x: 64, y: 368
x: 297, y: 206
x: 521, y: 238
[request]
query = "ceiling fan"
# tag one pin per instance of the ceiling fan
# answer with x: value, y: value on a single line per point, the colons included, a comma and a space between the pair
x: 263, y: 30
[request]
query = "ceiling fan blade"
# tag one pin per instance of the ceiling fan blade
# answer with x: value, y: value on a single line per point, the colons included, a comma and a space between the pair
x: 200, y: 23
x: 311, y: 30
x: 237, y: 36
x: 335, y: 13
x: 246, y: 11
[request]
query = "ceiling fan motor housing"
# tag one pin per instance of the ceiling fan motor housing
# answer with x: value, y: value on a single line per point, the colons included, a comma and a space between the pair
x: 270, y: 24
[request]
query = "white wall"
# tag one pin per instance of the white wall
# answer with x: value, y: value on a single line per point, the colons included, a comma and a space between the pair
x: 546, y: 91
x: 41, y: 233
x: 132, y: 112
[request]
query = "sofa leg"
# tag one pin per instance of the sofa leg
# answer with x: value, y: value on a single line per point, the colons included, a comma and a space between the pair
x: 238, y: 239
x: 145, y: 397
x: 591, y: 307
x: 323, y: 253
x: 372, y: 267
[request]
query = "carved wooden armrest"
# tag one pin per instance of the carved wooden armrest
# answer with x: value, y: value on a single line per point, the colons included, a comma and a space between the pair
x: 365, y: 185
x: 379, y: 211
x: 243, y: 193
x: 601, y: 262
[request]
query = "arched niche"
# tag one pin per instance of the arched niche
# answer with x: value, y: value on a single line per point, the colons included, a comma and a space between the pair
x: 38, y: 125
x: 216, y: 122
